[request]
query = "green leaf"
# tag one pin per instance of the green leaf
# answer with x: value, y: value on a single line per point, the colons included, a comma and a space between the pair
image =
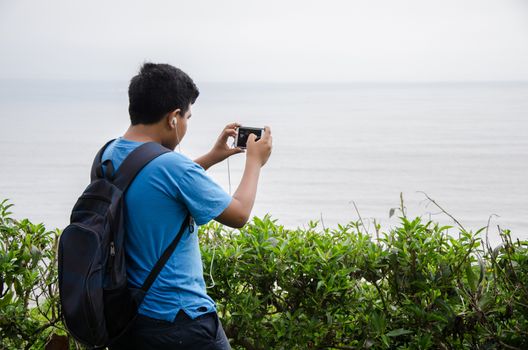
x: 471, y: 277
x: 398, y: 332
x: 378, y: 322
x: 6, y: 300
x: 486, y: 301
x: 319, y: 285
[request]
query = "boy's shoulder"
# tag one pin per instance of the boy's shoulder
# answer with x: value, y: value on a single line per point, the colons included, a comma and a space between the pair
x: 172, y: 163
x: 175, y: 162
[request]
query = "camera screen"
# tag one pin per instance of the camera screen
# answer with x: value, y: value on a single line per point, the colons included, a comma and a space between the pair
x: 243, y: 134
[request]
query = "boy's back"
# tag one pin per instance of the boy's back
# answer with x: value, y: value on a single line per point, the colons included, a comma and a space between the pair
x: 156, y: 204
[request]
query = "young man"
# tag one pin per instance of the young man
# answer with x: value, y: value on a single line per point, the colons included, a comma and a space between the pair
x: 176, y: 313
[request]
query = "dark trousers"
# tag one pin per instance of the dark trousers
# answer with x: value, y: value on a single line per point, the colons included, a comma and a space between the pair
x: 202, y: 333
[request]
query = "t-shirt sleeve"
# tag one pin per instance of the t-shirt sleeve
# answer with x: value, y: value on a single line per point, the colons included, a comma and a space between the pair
x: 203, y: 197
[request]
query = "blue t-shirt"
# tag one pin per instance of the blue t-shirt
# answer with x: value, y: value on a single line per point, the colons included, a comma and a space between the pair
x: 156, y: 204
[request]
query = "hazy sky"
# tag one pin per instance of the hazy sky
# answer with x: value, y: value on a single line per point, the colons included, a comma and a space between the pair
x: 271, y: 40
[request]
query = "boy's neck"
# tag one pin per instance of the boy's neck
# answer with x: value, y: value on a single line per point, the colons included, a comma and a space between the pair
x: 143, y: 133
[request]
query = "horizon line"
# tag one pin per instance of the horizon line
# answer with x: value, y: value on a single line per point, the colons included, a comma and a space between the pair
x: 285, y: 82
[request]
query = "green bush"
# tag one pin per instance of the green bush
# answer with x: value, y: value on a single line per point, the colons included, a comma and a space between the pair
x: 29, y: 305
x: 417, y: 287
x: 413, y: 287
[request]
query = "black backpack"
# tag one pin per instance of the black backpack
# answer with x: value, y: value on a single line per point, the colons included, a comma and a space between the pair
x: 97, y: 304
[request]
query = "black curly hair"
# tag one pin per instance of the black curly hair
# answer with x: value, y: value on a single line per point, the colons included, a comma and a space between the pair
x: 157, y: 90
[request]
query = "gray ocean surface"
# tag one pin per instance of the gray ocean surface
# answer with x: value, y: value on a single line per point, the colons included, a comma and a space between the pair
x: 464, y: 144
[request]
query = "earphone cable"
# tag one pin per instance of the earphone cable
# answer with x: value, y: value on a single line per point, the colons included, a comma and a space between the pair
x: 229, y: 176
x: 179, y: 143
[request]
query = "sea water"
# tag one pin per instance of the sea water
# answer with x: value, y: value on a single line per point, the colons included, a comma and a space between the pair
x: 335, y: 147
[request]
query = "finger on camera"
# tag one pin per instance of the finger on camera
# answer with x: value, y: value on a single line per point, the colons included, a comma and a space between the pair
x: 267, y: 140
x: 251, y: 138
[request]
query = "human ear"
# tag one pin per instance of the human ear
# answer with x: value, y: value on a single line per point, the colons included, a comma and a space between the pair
x: 176, y: 113
x: 173, y: 118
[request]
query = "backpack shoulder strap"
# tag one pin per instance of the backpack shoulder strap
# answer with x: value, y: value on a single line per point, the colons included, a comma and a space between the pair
x: 136, y: 161
x: 96, y: 165
x: 124, y: 176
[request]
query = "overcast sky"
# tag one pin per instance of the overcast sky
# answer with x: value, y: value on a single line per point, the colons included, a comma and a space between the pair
x: 271, y: 40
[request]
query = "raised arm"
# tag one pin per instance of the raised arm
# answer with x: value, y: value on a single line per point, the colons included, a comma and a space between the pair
x: 220, y: 150
x: 257, y: 154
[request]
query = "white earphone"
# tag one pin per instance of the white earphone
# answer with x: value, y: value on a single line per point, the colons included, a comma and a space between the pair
x: 174, y: 123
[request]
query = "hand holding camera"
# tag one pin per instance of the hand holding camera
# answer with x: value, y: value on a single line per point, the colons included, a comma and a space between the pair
x: 257, y: 141
x: 221, y: 150
x: 258, y: 146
